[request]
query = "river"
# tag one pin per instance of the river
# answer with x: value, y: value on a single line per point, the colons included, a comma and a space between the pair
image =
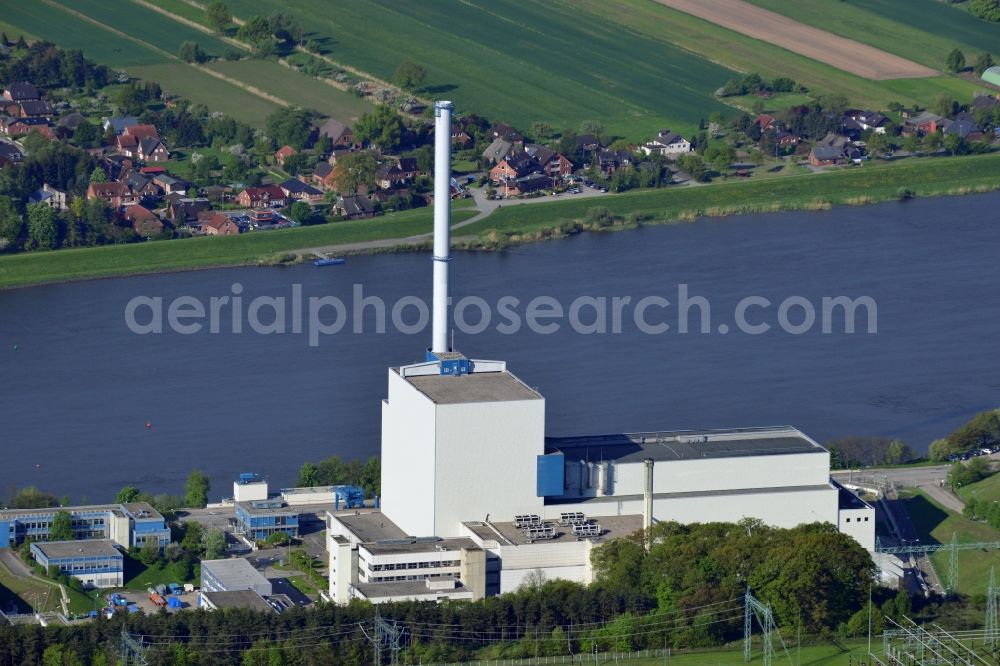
x: 89, y: 406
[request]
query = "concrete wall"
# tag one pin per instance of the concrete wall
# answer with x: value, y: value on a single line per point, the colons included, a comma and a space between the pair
x: 486, y: 461
x: 860, y: 524
x: 342, y: 570
x: 408, y: 457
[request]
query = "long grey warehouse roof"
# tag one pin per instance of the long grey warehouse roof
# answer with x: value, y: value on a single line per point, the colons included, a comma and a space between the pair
x: 475, y: 387
x: 370, y: 526
x: 82, y: 548
x: 234, y: 573
x: 684, y: 445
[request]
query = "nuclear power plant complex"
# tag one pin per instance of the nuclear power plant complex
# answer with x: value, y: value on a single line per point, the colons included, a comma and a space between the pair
x: 476, y: 499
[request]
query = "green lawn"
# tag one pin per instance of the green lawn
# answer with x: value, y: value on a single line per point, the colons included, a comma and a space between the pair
x: 519, y: 61
x: 295, y: 88
x: 851, y: 653
x: 197, y: 86
x: 140, y: 577
x: 888, y: 26
x: 935, y: 524
x: 925, y: 176
x: 160, y: 256
x: 28, y: 593
x: 987, y: 490
x: 146, y: 25
x: 71, y: 32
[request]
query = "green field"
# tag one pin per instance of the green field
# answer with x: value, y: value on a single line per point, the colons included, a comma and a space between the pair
x: 38, y: 594
x: 925, y: 176
x: 160, y: 256
x: 940, y: 18
x: 182, y: 9
x: 146, y: 25
x: 890, y: 27
x: 845, y: 654
x: 520, y: 62
x: 197, y: 86
x: 71, y: 32
x: 987, y: 490
x: 935, y: 524
x: 739, y: 52
x: 295, y: 88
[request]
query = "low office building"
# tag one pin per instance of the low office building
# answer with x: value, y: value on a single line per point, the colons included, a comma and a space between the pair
x: 94, y: 563
x: 246, y: 599
x: 372, y: 559
x: 129, y: 525
x: 231, y: 575
x: 259, y: 519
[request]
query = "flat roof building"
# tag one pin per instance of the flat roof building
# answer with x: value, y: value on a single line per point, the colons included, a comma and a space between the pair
x: 232, y: 575
x: 259, y: 519
x: 246, y: 599
x: 95, y: 563
x: 130, y: 525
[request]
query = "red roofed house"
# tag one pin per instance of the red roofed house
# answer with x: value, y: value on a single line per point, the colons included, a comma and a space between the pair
x: 218, y: 224
x: 117, y: 195
x: 130, y: 143
x: 262, y: 197
x: 323, y: 178
x: 143, y: 220
x: 764, y: 121
x: 282, y: 154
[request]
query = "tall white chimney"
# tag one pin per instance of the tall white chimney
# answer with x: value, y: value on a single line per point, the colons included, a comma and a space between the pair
x: 647, y: 504
x: 442, y: 223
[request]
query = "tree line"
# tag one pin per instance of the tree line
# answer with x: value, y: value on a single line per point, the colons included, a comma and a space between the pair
x: 334, y: 471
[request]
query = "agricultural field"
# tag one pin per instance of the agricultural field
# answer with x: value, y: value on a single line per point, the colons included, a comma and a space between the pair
x: 295, y: 88
x: 199, y: 87
x: 182, y: 9
x: 521, y: 62
x: 882, y: 24
x: 146, y: 25
x: 71, y: 32
x: 816, y: 43
x: 745, y: 54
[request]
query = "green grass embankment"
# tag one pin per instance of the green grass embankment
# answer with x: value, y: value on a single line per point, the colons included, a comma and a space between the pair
x: 850, y: 185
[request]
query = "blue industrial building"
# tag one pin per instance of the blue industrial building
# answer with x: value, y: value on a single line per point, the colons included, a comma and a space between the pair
x: 95, y: 563
x: 129, y: 525
x: 259, y: 519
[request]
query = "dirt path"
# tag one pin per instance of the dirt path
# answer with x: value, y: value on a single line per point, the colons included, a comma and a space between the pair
x: 768, y: 26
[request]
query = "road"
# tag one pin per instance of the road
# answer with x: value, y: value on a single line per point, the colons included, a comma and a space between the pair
x: 484, y: 207
x: 929, y: 479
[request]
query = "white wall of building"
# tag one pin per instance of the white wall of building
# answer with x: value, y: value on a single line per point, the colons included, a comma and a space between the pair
x: 249, y: 492
x: 780, y: 508
x: 342, y: 569
x: 860, y: 524
x: 408, y: 457
x: 486, y: 461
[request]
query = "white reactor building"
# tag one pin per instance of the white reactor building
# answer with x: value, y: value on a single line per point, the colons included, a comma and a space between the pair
x: 475, y: 498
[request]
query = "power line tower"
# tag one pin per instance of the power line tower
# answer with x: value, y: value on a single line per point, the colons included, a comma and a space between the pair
x: 952, y: 563
x: 992, y: 639
x: 133, y: 650
x: 385, y: 634
x: 754, y: 609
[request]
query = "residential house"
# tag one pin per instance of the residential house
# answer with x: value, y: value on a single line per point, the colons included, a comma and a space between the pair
x: 34, y: 108
x: 608, y: 161
x: 21, y: 92
x: 51, y: 197
x: 408, y: 167
x: 18, y: 127
x: 71, y: 121
x: 981, y: 101
x: 153, y: 171
x: 553, y: 164
x: 498, y: 151
x: 117, y: 166
x: 786, y: 139
x: 152, y: 149
x: 506, y: 174
x: 354, y: 208
x: 282, y: 154
x: 831, y: 140
x: 116, y: 195
x: 219, y: 224
x: 119, y: 123
x: 301, y: 191
x: 339, y: 133
x: 170, y: 185
x: 870, y: 121
x: 826, y: 156
x: 141, y: 185
x: 144, y: 221
x: 506, y: 132
x: 965, y: 128
x: 924, y: 123
x: 322, y: 177
x: 185, y: 210
x: 587, y: 142
x: 262, y: 197
x: 389, y: 176
x: 669, y: 144
x: 460, y: 138
x: 532, y: 182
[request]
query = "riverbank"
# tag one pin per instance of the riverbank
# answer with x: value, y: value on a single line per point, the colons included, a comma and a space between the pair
x: 548, y: 218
